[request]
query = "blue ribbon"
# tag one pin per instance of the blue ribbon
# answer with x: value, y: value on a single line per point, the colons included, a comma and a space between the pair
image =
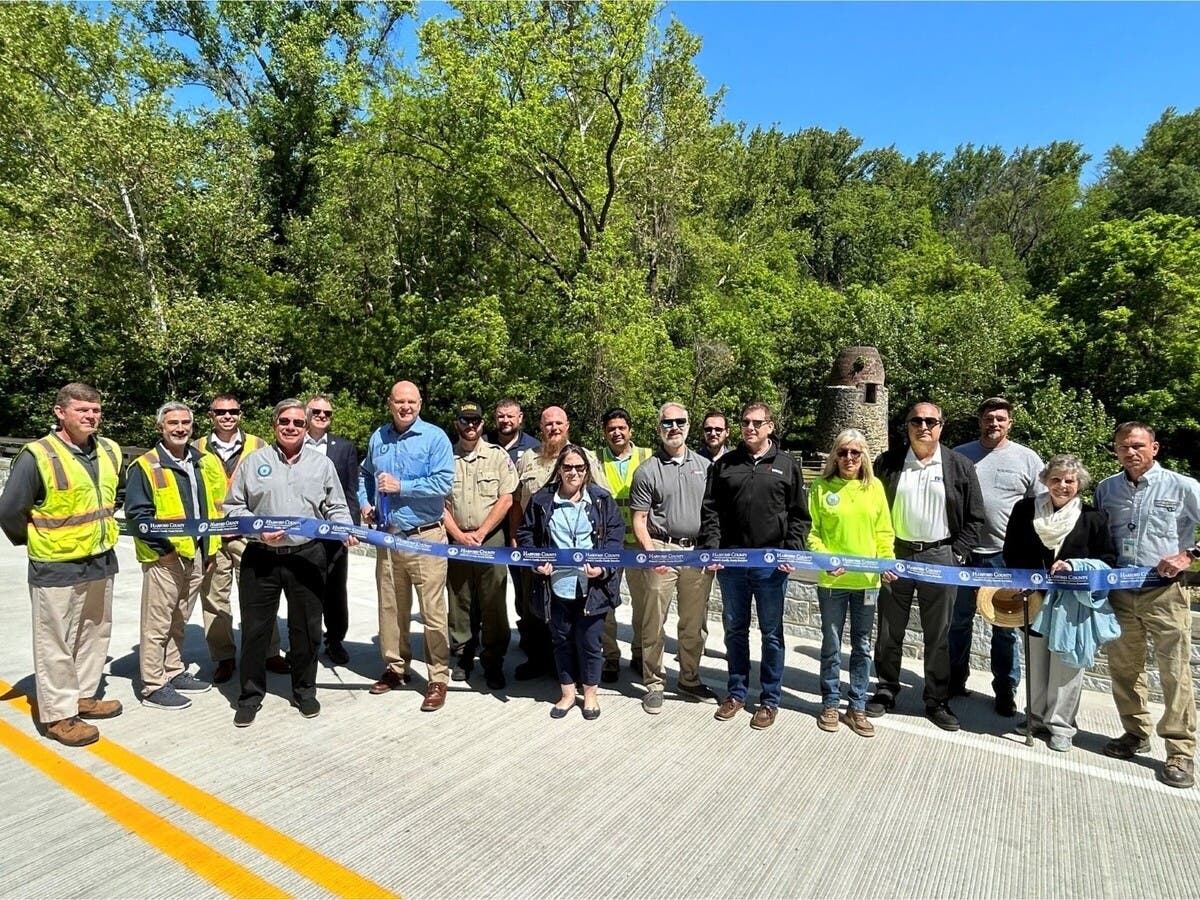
x: 319, y: 529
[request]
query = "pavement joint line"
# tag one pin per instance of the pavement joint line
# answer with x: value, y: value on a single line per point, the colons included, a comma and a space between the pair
x: 300, y: 858
x: 213, y: 867
x: 1019, y: 750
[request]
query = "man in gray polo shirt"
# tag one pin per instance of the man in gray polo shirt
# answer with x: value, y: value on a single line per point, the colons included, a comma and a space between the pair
x: 665, y: 497
x: 1007, y: 472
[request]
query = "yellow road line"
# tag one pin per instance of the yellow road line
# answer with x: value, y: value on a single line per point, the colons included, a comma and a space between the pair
x: 322, y: 870
x: 152, y: 828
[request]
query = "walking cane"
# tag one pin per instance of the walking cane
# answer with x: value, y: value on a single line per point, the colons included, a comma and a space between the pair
x: 1028, y: 685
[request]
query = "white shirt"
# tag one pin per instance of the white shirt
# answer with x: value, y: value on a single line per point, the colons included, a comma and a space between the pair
x: 919, y: 510
x: 227, y: 449
x: 321, y: 444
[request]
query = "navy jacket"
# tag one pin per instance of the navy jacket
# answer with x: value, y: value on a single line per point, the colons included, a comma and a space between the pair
x: 964, y: 498
x: 344, y: 456
x: 608, y: 533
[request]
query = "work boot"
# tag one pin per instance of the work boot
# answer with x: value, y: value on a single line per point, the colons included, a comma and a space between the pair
x: 91, y: 708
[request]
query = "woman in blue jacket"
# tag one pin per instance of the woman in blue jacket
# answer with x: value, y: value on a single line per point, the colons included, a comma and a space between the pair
x: 572, y: 512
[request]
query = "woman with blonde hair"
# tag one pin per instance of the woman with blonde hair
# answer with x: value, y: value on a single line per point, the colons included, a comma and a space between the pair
x: 850, y: 515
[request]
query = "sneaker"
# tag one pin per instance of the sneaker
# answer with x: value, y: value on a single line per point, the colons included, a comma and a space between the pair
x: 881, y: 704
x: 1059, y: 743
x: 942, y: 717
x: 728, y: 709
x: 310, y: 707
x: 1179, y: 771
x: 73, y: 732
x: 828, y: 719
x: 336, y: 652
x: 696, y: 693
x: 1127, y: 746
x: 611, y: 671
x: 653, y: 702
x: 187, y: 683
x: 166, y: 697
x: 244, y: 717
x: 460, y: 672
x: 856, y: 720
x: 91, y: 708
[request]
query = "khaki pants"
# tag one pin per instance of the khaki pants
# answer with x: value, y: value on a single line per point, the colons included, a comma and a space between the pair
x: 215, y: 593
x: 396, y: 576
x: 690, y: 587
x: 636, y: 579
x: 71, y: 629
x: 1162, y: 616
x: 169, y: 590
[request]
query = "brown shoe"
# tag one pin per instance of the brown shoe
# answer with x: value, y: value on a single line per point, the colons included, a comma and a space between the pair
x: 1179, y: 771
x: 828, y: 719
x: 435, y: 696
x: 728, y: 709
x: 98, y: 709
x: 390, y: 680
x: 279, y: 665
x: 764, y: 717
x: 73, y: 732
x: 224, y: 671
x: 856, y: 720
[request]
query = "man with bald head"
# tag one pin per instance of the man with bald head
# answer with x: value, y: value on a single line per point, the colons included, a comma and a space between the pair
x: 533, y: 471
x: 403, y: 483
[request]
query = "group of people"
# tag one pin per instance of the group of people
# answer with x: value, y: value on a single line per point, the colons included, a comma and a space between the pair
x: 988, y: 503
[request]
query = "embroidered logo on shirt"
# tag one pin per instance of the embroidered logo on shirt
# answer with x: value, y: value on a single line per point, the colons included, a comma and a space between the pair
x: 832, y: 499
x: 264, y: 470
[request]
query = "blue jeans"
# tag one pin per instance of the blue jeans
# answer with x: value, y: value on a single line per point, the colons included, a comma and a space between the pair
x: 766, y: 586
x: 834, y: 603
x: 1006, y: 656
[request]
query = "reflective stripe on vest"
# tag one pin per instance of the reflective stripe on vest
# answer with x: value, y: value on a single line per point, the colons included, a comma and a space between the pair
x: 75, y: 520
x: 168, y: 501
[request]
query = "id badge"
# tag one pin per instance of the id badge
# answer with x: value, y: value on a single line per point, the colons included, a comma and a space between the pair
x: 1129, y: 550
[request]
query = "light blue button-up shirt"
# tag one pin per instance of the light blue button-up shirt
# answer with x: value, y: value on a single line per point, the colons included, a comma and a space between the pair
x: 1152, y: 518
x: 421, y: 458
x: 570, y: 526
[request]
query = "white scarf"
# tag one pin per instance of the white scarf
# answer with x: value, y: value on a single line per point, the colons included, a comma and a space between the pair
x: 1053, y: 525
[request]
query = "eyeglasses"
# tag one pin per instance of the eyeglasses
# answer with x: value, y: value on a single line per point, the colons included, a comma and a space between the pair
x: 755, y: 423
x: 469, y: 422
x: 570, y: 467
x: 299, y: 423
x: 924, y: 421
x: 321, y: 413
x: 850, y: 452
x: 709, y: 429
x: 226, y: 412
x: 673, y: 423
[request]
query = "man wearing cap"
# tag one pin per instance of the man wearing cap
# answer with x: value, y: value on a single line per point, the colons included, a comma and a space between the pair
x: 620, y: 460
x: 1007, y: 472
x: 403, y: 484
x: 59, y: 502
x: 713, y: 435
x: 335, y: 605
x: 665, y: 497
x: 938, y: 513
x: 1153, y: 513
x: 533, y: 471
x: 484, y: 481
x: 509, y: 435
x: 230, y: 445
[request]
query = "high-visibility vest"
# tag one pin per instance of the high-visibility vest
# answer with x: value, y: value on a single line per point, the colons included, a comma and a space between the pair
x: 77, y: 517
x: 250, y: 443
x: 620, y: 486
x: 168, y: 501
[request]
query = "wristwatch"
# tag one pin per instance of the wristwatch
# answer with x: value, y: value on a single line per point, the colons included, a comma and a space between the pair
x: 1194, y: 552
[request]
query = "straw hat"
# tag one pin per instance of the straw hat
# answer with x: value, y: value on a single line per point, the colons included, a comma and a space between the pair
x: 1003, y: 607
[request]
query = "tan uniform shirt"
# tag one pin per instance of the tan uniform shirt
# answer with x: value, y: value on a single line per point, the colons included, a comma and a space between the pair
x: 533, y: 472
x: 481, y: 478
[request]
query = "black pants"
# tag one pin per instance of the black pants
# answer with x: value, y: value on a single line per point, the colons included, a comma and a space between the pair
x: 576, y: 638
x: 335, y: 603
x: 533, y: 631
x: 934, y: 601
x: 266, y: 573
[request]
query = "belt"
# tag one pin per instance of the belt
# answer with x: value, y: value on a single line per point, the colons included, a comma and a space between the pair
x: 922, y: 546
x: 286, y: 548
x: 686, y: 543
x: 428, y: 526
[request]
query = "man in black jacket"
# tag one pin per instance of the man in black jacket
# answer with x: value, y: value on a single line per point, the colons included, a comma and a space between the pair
x: 937, y: 512
x: 335, y: 605
x: 754, y: 498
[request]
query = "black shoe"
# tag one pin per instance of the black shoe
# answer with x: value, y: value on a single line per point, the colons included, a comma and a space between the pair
x: 881, y: 704
x: 496, y: 680
x: 959, y: 689
x: 310, y: 707
x: 1127, y: 746
x: 635, y: 664
x: 700, y: 693
x: 337, y: 653
x: 1006, y: 705
x: 528, y: 670
x: 460, y: 672
x: 941, y: 716
x: 611, y: 671
x: 244, y: 716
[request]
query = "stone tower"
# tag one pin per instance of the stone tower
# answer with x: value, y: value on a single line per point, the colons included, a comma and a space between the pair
x: 855, y: 397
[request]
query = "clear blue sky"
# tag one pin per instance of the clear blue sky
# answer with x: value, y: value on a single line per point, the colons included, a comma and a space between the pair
x: 930, y: 76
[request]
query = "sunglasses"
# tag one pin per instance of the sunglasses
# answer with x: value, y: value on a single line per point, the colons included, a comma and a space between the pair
x: 321, y: 413
x: 848, y: 452
x: 755, y: 423
x: 673, y: 423
x: 469, y: 422
x: 711, y: 430
x: 571, y: 467
x: 299, y: 423
x: 924, y: 421
x: 226, y: 412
